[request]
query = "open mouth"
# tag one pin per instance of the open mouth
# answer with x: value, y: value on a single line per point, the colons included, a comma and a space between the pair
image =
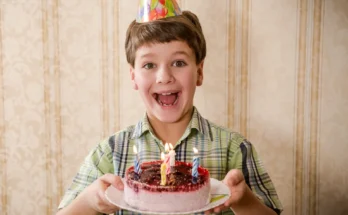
x: 167, y: 99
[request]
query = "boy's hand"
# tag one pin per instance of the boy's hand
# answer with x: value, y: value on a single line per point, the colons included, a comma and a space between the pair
x: 92, y: 200
x: 94, y: 195
x: 235, y: 181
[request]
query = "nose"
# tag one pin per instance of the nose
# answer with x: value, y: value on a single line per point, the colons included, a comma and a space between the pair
x: 164, y: 75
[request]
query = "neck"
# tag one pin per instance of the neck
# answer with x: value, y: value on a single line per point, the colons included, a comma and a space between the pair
x: 171, y: 132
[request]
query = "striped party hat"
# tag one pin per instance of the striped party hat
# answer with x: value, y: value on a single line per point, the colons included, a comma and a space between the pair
x: 150, y: 10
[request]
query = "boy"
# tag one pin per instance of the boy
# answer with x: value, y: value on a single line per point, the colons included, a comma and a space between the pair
x: 166, y: 50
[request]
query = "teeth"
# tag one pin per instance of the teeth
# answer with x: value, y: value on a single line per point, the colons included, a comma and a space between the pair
x: 159, y: 102
x: 166, y: 94
x: 176, y: 100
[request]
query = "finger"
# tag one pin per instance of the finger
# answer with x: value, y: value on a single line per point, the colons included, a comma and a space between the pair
x: 103, y: 203
x: 228, y: 203
x: 219, y: 208
x: 102, y: 200
x: 233, y: 178
x: 208, y: 211
x: 113, y: 180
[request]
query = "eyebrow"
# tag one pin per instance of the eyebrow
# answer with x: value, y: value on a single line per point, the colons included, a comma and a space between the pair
x: 149, y: 54
x: 181, y: 52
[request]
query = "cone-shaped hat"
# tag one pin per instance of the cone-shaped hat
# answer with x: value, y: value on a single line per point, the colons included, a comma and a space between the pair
x: 150, y: 10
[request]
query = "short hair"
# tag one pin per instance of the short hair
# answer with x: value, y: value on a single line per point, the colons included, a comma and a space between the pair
x: 185, y: 27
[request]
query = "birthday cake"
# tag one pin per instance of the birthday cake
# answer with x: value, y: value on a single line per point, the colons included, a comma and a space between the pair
x: 181, y: 191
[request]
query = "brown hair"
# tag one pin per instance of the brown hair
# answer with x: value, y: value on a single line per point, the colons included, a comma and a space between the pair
x: 185, y: 27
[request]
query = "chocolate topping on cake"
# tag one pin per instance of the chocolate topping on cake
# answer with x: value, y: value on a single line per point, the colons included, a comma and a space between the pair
x: 180, y: 178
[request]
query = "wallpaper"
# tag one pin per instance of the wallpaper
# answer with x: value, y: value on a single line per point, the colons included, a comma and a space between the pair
x: 275, y: 71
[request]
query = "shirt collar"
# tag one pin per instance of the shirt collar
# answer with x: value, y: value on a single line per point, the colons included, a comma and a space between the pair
x: 197, y: 122
x: 141, y: 127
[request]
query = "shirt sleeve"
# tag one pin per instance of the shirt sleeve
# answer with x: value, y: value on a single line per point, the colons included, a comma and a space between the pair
x: 243, y: 156
x: 97, y: 163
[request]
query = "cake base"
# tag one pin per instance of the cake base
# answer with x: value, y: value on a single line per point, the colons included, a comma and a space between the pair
x: 180, y: 194
x: 167, y: 202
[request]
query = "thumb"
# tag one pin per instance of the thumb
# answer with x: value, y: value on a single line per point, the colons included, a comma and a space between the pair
x: 113, y: 180
x: 233, y: 178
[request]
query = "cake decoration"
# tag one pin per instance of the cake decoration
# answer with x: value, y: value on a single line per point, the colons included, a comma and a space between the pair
x: 136, y: 161
x: 163, y: 171
x: 167, y: 158
x: 179, y: 194
x: 167, y: 185
x: 195, y: 165
x: 172, y: 155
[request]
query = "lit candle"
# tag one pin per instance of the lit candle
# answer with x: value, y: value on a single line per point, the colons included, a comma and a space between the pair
x: 195, y: 165
x: 167, y: 162
x: 137, y: 168
x: 166, y: 148
x: 163, y: 171
x: 167, y: 158
x: 172, y: 155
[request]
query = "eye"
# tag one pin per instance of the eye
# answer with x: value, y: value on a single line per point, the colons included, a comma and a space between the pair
x: 179, y: 63
x: 149, y: 66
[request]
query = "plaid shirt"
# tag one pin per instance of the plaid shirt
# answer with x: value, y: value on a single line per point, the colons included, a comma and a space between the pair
x: 220, y: 150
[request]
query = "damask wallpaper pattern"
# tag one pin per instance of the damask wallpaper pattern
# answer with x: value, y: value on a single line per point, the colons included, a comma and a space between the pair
x: 275, y: 71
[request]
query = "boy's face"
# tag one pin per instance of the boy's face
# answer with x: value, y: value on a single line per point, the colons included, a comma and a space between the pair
x: 166, y: 75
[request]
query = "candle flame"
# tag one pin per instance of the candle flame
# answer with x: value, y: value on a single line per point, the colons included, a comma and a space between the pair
x: 195, y: 150
x: 171, y: 146
x: 162, y: 156
x: 166, y: 147
x: 135, y: 150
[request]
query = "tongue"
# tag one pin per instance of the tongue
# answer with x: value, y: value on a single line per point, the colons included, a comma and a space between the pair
x: 168, y: 99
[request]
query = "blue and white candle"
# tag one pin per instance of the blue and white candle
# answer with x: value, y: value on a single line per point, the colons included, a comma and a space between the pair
x: 137, y: 168
x: 195, y: 164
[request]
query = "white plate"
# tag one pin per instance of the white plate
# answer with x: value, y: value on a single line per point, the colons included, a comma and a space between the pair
x: 219, y: 194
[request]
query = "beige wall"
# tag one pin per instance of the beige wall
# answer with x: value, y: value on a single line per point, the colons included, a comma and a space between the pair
x: 276, y: 71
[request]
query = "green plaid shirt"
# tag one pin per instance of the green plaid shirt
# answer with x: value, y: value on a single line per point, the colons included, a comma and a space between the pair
x: 220, y: 150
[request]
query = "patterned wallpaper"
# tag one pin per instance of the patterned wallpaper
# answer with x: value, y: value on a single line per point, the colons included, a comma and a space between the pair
x: 276, y: 71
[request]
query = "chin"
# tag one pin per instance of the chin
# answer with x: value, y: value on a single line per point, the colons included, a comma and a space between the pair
x: 168, y: 114
x: 168, y: 118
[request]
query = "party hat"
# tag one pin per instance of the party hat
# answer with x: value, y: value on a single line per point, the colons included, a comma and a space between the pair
x: 150, y: 10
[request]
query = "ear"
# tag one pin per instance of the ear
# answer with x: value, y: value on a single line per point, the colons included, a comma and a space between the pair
x: 132, y: 75
x: 200, y: 73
